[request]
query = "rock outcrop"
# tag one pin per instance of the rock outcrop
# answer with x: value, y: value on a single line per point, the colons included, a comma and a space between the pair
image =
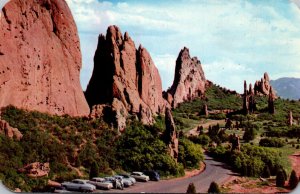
x: 271, y: 100
x: 189, y: 80
x: 40, y: 58
x: 263, y: 86
x: 127, y: 74
x: 171, y: 136
x: 249, y: 104
x: 290, y: 119
x: 36, y: 169
x: 9, y: 131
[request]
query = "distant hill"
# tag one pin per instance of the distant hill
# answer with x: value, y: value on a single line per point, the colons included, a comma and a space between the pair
x: 287, y: 87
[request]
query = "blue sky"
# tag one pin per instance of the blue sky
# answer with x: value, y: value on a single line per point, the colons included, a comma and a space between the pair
x: 234, y: 40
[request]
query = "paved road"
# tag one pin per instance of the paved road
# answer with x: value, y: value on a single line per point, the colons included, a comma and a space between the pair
x: 215, y: 171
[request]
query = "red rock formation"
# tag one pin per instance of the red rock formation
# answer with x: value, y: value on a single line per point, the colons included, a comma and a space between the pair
x: 189, y: 80
x: 263, y: 86
x: 171, y: 134
x: 40, y: 58
x: 9, y: 131
x: 290, y: 119
x: 271, y: 106
x: 127, y: 74
x: 36, y: 169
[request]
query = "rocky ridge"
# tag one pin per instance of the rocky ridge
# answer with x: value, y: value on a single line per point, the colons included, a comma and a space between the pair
x: 189, y: 80
x: 125, y: 75
x: 40, y: 58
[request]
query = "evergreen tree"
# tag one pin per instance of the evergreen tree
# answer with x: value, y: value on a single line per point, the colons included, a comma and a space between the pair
x: 94, y: 170
x: 266, y: 172
x: 191, y: 189
x: 280, y: 180
x: 249, y: 134
x: 293, y: 182
x: 214, y: 188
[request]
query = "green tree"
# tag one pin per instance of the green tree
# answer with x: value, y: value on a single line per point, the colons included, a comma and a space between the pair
x: 190, y: 154
x: 293, y: 182
x: 280, y: 179
x: 191, y: 189
x: 266, y: 172
x: 249, y: 134
x: 94, y: 170
x: 214, y: 188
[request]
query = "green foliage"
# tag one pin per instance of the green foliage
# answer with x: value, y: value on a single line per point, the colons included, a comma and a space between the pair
x: 190, y: 154
x: 249, y: 134
x: 266, y: 172
x: 191, y: 189
x: 54, y: 139
x: 139, y: 149
x: 94, y: 170
x: 202, y: 139
x: 214, y: 188
x: 272, y: 142
x: 293, y: 182
x: 280, y: 179
x: 251, y: 160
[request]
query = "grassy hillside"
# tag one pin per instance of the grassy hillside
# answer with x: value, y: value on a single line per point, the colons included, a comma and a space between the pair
x: 261, y: 134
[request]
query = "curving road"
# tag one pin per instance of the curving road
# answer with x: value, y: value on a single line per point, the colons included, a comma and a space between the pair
x: 215, y: 171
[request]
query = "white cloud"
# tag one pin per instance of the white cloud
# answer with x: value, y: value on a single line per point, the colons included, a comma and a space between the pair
x: 222, y: 34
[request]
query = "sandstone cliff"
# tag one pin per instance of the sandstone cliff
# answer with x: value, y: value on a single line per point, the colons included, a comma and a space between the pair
x: 126, y: 74
x: 189, y: 80
x: 262, y: 87
x: 40, y: 58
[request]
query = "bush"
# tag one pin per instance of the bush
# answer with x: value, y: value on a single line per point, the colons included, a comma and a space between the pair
x: 293, y: 182
x: 190, y: 154
x: 214, y: 188
x: 249, y: 134
x: 280, y: 179
x: 191, y: 189
x: 94, y: 170
x: 266, y: 172
x: 272, y: 142
x: 139, y: 149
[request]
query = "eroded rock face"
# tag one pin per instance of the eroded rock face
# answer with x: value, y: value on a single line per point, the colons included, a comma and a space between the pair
x: 263, y: 86
x: 40, y: 58
x: 189, y: 80
x: 171, y: 134
x: 271, y: 100
x: 9, y: 131
x: 125, y: 73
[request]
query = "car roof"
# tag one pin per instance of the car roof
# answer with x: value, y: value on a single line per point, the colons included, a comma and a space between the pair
x: 98, y: 178
x: 136, y: 172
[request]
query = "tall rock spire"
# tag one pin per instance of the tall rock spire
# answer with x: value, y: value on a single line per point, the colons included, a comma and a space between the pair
x: 124, y: 73
x: 40, y: 58
x: 189, y: 80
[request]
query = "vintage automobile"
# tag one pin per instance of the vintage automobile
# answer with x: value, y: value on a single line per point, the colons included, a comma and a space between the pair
x: 127, y: 182
x: 101, y: 183
x: 117, y: 183
x: 79, y: 185
x: 127, y: 176
x: 153, y: 175
x: 139, y: 176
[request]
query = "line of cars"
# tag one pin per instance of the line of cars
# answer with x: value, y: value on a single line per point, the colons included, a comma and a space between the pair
x: 114, y: 182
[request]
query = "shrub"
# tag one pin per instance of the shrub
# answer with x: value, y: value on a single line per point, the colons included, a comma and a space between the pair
x: 271, y: 142
x: 94, y: 170
x: 191, y: 189
x: 293, y: 182
x: 214, y: 188
x: 190, y: 154
x: 280, y: 179
x: 249, y: 134
x: 266, y: 172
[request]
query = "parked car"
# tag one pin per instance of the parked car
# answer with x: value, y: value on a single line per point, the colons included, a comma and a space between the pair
x: 126, y: 182
x: 118, y: 184
x: 79, y: 185
x: 60, y: 189
x: 153, y: 175
x: 139, y: 176
x: 127, y: 176
x: 101, y: 183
